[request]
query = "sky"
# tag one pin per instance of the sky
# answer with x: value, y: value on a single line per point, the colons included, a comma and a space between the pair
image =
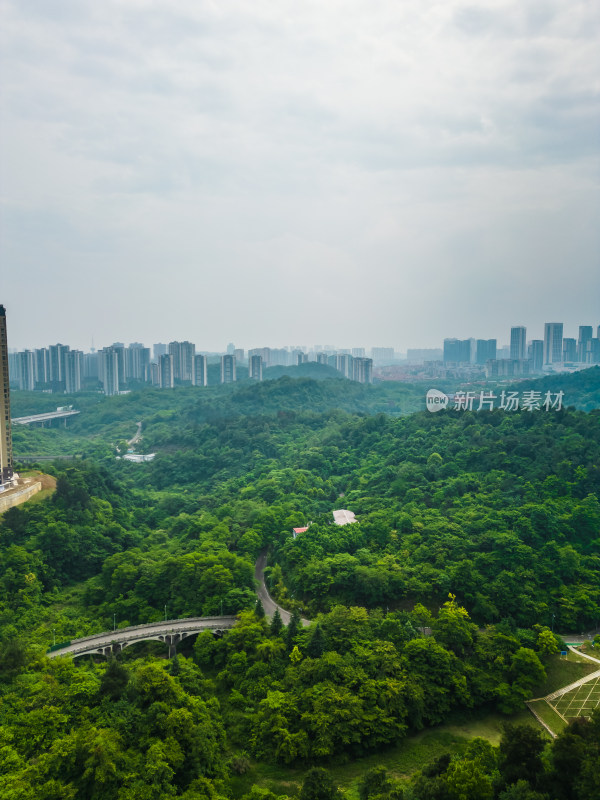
x: 298, y: 172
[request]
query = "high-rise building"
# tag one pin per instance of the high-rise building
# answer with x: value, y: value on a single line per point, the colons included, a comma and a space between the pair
x: 108, y: 370
x: 228, y: 368
x: 343, y: 364
x: 6, y: 456
x: 553, y: 335
x: 239, y: 354
x: 73, y: 371
x: 569, y: 350
x: 321, y: 358
x: 358, y: 352
x: 200, y: 371
x: 457, y: 351
x: 26, y: 370
x: 485, y: 349
x: 518, y: 342
x: 535, y: 353
x: 42, y: 367
x: 119, y: 349
x: 362, y: 369
x: 592, y: 352
x: 90, y: 365
x: 183, y: 360
x: 166, y: 369
x: 382, y: 355
x: 586, y: 333
x: 154, y: 374
x: 137, y: 362
x: 56, y: 376
x: 255, y: 368
x: 264, y: 352
x: 159, y: 349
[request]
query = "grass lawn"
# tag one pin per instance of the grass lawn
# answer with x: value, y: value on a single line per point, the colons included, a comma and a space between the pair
x: 549, y: 715
x: 401, y: 761
x: 580, y: 701
x: 563, y: 670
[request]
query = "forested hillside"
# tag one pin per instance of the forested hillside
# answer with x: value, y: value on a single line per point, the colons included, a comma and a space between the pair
x: 478, y: 535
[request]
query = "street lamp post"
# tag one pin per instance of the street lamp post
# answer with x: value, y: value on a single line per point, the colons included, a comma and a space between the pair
x: 165, y: 613
x: 115, y: 621
x: 53, y: 636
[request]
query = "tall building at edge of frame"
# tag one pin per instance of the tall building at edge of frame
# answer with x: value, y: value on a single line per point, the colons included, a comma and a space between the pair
x: 6, y: 457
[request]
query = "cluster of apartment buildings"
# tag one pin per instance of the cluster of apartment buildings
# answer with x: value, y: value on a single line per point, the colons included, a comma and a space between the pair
x: 118, y: 368
x: 523, y: 356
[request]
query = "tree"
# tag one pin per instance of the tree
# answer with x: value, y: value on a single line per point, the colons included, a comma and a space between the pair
x: 453, y: 627
x: 375, y: 782
x: 259, y: 610
x: 292, y: 630
x: 114, y: 680
x: 521, y: 747
x: 318, y: 785
x: 316, y: 645
x: 526, y: 668
x: 546, y: 642
x: 276, y: 623
x: 467, y: 781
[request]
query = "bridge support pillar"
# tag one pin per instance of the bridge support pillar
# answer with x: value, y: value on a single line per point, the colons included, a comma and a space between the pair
x: 173, y: 640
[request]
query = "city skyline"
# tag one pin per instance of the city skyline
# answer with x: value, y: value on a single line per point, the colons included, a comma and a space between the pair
x: 505, y: 339
x: 407, y: 172
x: 58, y: 368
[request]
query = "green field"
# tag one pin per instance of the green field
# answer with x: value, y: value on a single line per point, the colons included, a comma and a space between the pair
x: 581, y: 701
x: 563, y: 670
x: 553, y: 720
x: 401, y: 761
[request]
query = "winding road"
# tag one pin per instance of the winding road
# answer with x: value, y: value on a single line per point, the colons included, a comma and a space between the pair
x: 171, y: 631
x: 137, y: 435
x: 267, y: 601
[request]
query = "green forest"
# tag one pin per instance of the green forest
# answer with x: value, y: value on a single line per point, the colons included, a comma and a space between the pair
x: 476, y: 552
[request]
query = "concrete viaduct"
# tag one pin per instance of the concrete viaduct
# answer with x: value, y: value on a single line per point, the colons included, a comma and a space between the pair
x: 170, y: 632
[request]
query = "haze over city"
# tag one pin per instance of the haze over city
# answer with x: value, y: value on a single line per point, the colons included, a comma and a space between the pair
x: 361, y: 174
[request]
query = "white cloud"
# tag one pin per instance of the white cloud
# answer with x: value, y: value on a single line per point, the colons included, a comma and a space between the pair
x: 160, y: 144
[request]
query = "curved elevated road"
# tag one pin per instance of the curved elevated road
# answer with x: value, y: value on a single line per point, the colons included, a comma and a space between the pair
x: 170, y: 632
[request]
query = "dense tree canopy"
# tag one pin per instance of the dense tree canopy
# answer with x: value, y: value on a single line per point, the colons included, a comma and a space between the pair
x: 478, y: 537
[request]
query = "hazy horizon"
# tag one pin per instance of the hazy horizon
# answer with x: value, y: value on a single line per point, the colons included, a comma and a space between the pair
x: 363, y: 174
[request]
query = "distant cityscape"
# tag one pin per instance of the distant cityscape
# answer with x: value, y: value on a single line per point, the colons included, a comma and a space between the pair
x: 117, y: 368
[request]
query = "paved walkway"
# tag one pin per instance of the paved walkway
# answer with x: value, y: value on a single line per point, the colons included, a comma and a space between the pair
x: 583, y: 655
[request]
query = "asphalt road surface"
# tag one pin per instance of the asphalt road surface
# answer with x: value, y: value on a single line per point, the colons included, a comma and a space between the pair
x: 267, y: 601
x: 142, y: 633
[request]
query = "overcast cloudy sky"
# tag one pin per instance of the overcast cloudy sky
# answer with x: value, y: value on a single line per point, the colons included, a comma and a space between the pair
x: 366, y: 172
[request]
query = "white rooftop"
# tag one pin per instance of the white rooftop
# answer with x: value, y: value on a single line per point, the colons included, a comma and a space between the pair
x: 344, y: 517
x: 139, y: 458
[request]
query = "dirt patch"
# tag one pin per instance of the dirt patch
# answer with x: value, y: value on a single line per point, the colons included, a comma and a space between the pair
x: 47, y: 481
